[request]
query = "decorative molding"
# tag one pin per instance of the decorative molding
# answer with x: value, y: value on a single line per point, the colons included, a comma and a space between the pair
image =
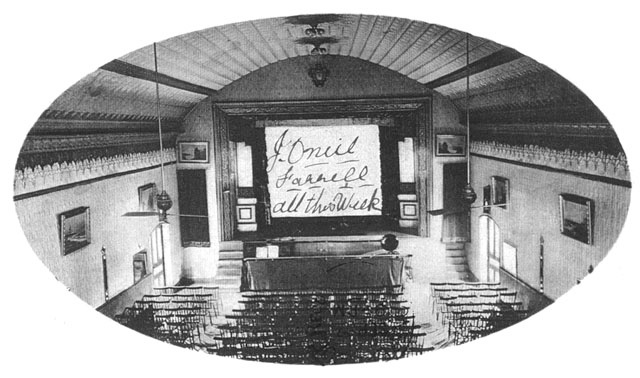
x: 52, y: 126
x: 56, y: 114
x: 38, y: 178
x: 593, y: 163
x: 535, y: 113
x: 351, y: 107
x: 55, y: 143
x: 593, y: 130
x: 50, y: 149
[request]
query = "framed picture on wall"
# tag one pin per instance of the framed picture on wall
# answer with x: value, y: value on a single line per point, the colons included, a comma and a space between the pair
x: 576, y: 217
x: 451, y: 145
x: 499, y: 191
x: 147, y: 197
x: 193, y: 152
x: 75, y: 230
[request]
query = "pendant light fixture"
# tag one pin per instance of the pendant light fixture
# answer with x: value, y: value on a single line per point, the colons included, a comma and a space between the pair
x: 468, y: 194
x: 163, y: 200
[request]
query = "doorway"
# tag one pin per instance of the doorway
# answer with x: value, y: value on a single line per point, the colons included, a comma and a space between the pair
x: 490, y: 244
x: 455, y: 222
x: 157, y: 256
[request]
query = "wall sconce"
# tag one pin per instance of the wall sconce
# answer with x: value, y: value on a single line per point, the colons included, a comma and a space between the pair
x: 318, y: 74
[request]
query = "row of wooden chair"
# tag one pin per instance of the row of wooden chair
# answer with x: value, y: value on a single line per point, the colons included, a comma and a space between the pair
x: 320, y: 327
x: 472, y: 310
x: 177, y: 315
x: 210, y: 293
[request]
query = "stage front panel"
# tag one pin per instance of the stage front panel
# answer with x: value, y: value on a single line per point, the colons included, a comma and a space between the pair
x: 302, y: 273
x: 330, y: 171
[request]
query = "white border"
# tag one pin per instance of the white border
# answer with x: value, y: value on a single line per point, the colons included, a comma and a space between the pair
x: 48, y: 46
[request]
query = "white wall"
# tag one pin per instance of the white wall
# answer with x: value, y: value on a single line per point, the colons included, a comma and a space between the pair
x: 108, y: 199
x: 534, y: 212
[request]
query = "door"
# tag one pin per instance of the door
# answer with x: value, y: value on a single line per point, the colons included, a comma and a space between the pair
x: 157, y: 256
x: 490, y: 242
x: 455, y: 222
x: 192, y: 200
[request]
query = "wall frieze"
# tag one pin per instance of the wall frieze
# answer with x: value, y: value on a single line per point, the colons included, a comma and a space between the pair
x: 594, y: 163
x: 31, y: 179
x: 51, y: 143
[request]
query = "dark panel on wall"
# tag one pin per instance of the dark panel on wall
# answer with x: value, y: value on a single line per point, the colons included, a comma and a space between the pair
x: 424, y: 164
x: 192, y: 200
x: 256, y: 139
x: 455, y: 223
x: 224, y: 159
x: 390, y: 175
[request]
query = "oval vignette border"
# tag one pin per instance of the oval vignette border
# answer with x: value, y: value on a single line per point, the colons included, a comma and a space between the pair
x: 615, y: 253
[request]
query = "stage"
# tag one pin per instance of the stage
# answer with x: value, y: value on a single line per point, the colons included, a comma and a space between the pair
x: 307, y: 246
x: 323, y: 272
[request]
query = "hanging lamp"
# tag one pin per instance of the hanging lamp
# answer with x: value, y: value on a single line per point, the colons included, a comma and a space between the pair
x: 163, y: 200
x: 468, y: 194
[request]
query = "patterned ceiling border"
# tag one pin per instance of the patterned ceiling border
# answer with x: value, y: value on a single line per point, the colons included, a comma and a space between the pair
x: 49, y: 149
x: 55, y: 143
x: 322, y: 107
x: 596, y: 130
x: 594, y: 163
x: 39, y: 178
x: 91, y: 116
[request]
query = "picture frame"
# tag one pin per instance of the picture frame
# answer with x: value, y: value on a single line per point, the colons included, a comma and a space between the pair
x: 75, y: 230
x: 451, y: 145
x: 576, y: 217
x: 147, y: 197
x: 499, y: 192
x: 193, y: 152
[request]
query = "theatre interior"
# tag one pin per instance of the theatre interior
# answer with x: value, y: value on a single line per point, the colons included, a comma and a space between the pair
x: 321, y: 189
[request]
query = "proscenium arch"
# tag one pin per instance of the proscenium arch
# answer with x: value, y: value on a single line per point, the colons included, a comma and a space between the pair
x: 283, y: 90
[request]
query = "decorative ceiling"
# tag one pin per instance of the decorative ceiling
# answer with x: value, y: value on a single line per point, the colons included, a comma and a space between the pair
x: 217, y: 56
x: 210, y: 59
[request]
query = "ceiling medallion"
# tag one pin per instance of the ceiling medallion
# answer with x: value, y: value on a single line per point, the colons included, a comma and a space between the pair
x: 315, y: 36
x: 317, y: 43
